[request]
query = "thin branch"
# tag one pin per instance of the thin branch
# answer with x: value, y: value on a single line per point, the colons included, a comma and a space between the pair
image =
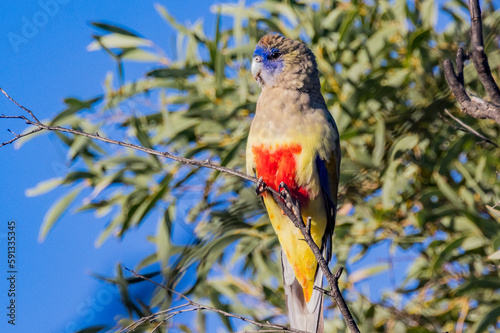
x: 496, y: 204
x: 336, y: 278
x: 198, y: 306
x: 13, y: 117
x: 19, y: 105
x: 150, y: 318
x: 466, y: 128
x: 479, y: 57
x: 158, y: 326
x: 18, y: 136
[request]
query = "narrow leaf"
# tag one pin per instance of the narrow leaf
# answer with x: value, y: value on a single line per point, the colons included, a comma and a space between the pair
x: 56, y: 211
x: 43, y: 187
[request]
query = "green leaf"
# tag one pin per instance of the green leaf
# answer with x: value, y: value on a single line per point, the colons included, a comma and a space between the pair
x: 333, y: 19
x: 429, y: 11
x: 115, y: 40
x: 494, y: 256
x: 365, y: 273
x: 112, y: 226
x: 174, y: 72
x: 122, y: 284
x: 474, y: 242
x: 20, y: 142
x: 447, y: 190
x: 482, y: 283
x: 403, y: 144
x: 490, y: 318
x: 446, y: 252
x: 163, y: 236
x: 153, y: 199
x: 162, y: 10
x: 416, y: 39
x: 114, y: 28
x: 79, y: 144
x: 73, y: 106
x: 44, y: 187
x: 493, y: 212
x: 138, y: 87
x: 379, y: 149
x: 140, y: 55
x: 93, y: 329
x: 376, y: 43
x: 397, y: 79
x: 56, y: 211
x: 201, y: 321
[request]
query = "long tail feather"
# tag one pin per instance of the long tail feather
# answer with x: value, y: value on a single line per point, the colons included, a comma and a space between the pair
x: 304, y: 316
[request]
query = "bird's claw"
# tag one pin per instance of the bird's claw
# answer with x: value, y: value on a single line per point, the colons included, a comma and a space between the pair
x: 261, y: 186
x: 284, y: 191
x: 286, y: 195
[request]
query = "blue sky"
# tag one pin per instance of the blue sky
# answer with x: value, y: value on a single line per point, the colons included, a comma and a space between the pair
x: 40, y: 66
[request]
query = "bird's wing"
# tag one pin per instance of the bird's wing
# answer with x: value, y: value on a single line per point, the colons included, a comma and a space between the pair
x: 329, y: 174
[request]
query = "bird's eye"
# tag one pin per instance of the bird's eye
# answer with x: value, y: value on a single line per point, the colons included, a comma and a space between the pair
x: 275, y: 55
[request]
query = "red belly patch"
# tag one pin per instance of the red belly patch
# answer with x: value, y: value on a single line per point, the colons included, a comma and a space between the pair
x: 279, y: 165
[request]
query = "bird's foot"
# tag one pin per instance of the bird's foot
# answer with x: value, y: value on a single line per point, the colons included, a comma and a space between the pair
x: 261, y: 186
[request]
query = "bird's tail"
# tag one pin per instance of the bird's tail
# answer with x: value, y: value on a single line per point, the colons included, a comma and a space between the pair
x: 305, y: 316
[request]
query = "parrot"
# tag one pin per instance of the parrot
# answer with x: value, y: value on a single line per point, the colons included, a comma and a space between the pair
x: 293, y: 139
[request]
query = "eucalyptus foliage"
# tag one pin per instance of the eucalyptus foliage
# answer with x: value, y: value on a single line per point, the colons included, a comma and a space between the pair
x: 409, y: 176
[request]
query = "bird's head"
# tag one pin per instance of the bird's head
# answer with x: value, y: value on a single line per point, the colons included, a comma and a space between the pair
x: 282, y: 62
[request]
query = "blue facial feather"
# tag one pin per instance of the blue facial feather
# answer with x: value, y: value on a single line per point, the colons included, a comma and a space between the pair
x: 271, y: 68
x: 260, y: 51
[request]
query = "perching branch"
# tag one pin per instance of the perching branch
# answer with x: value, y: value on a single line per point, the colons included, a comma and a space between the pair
x: 283, y: 198
x: 474, y: 106
x: 194, y: 306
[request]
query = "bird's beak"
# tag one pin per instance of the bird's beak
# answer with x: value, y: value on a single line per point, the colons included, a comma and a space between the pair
x: 256, y: 68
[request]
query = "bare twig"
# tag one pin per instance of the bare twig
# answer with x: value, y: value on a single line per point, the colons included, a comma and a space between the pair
x: 19, y: 105
x: 290, y: 206
x: 197, y: 306
x: 466, y: 128
x: 18, y: 136
x: 158, y: 326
